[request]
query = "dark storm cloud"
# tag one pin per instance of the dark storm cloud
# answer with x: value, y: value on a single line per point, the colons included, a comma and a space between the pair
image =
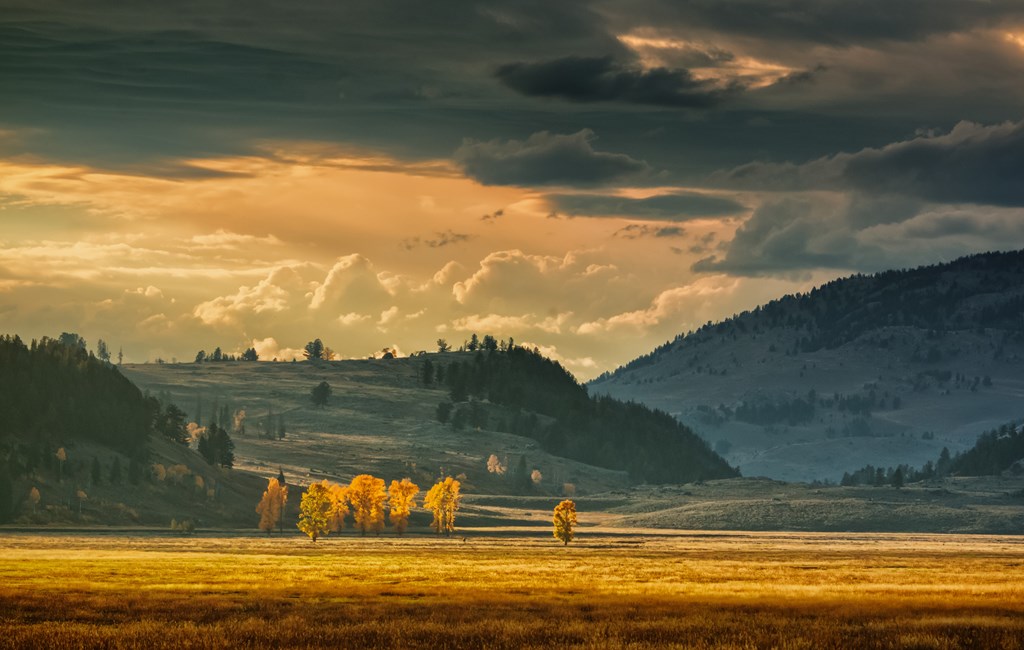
x: 835, y: 22
x: 580, y: 79
x: 680, y: 206
x: 546, y: 159
x: 973, y: 163
x: 788, y: 237
x: 133, y: 86
x: 158, y: 70
x: 890, y: 198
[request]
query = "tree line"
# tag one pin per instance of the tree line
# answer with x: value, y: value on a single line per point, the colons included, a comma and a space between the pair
x: 325, y: 506
x: 992, y: 454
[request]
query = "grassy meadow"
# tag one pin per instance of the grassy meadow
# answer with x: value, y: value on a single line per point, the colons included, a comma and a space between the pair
x: 513, y: 589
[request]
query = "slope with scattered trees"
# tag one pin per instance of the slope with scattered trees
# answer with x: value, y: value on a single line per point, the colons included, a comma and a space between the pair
x: 893, y: 366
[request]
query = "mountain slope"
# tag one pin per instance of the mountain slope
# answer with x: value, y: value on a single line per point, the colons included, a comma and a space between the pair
x: 523, y: 409
x: 886, y: 368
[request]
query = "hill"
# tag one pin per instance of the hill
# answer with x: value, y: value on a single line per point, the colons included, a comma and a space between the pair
x: 383, y: 417
x: 79, y: 444
x: 882, y: 369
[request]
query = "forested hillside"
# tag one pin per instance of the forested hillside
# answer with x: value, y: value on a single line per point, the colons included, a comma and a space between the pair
x: 51, y: 392
x: 651, y: 445
x: 887, y: 367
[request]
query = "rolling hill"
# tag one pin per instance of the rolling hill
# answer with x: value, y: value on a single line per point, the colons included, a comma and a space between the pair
x: 885, y: 369
x: 382, y: 417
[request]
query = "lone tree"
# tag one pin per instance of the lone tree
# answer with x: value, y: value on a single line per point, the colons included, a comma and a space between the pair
x: 443, y: 501
x: 33, y: 498
x: 320, y: 394
x: 367, y: 495
x: 565, y: 521
x: 443, y: 346
x: 314, y: 510
x: 402, y: 499
x: 314, y: 350
x: 271, y: 506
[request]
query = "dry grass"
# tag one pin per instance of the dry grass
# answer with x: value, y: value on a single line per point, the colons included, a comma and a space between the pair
x: 737, y: 590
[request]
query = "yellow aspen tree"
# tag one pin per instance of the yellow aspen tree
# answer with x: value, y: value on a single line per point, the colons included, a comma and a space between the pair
x: 402, y: 499
x: 339, y: 507
x: 62, y: 457
x: 443, y: 501
x: 33, y: 498
x: 314, y: 509
x: 368, y: 496
x: 271, y: 506
x: 565, y: 521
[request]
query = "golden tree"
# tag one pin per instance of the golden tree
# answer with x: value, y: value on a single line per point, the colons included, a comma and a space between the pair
x: 339, y: 507
x: 271, y: 506
x: 62, y: 457
x: 402, y: 498
x: 367, y: 495
x: 565, y: 521
x: 443, y: 501
x: 33, y: 498
x: 314, y: 509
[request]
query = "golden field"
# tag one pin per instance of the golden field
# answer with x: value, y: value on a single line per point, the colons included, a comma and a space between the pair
x: 512, y: 588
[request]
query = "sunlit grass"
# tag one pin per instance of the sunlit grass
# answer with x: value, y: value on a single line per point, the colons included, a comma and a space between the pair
x: 700, y: 590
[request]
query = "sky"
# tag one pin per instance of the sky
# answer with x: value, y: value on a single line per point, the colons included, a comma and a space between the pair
x: 590, y: 178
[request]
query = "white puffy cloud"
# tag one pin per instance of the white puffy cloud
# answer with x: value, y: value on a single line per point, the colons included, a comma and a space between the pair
x: 272, y: 294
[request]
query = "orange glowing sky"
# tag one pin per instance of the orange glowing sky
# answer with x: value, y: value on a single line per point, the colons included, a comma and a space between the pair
x: 589, y: 178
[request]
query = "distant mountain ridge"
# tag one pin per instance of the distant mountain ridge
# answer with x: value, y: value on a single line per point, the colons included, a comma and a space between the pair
x: 895, y: 364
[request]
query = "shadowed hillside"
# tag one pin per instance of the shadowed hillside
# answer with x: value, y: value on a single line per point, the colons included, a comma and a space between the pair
x: 886, y: 369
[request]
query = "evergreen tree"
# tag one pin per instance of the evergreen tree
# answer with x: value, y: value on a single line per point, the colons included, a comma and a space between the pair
x: 97, y: 472
x: 115, y: 471
x: 216, y: 447
x: 314, y: 350
x: 102, y: 352
x: 444, y: 411
x: 320, y: 394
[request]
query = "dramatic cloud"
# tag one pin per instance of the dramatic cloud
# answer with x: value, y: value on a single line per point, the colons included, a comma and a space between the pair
x: 680, y: 206
x: 834, y: 22
x: 794, y: 236
x: 173, y: 176
x: 973, y: 163
x: 545, y: 159
x: 603, y: 80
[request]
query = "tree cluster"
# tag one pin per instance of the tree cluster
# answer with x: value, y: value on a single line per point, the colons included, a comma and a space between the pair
x: 217, y: 355
x: 325, y: 505
x: 992, y: 454
x: 216, y: 447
